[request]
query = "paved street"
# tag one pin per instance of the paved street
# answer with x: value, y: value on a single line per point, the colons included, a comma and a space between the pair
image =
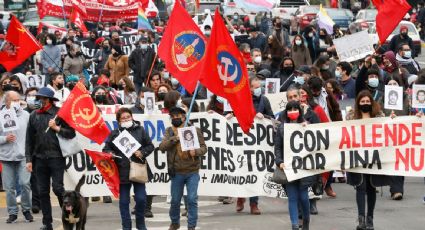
x: 334, y: 214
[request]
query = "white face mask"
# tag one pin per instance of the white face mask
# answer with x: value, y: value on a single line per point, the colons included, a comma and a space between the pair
x: 258, y: 59
x: 257, y: 92
x: 166, y: 75
x: 298, y: 42
x: 16, y: 106
x: 127, y: 124
x: 174, y: 82
x: 49, y: 42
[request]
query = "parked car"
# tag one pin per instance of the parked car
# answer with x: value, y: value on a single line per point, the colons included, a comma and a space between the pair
x: 304, y: 15
x: 365, y: 18
x: 341, y: 17
x: 413, y: 33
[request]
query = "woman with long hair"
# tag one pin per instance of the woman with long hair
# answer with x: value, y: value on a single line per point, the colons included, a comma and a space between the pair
x: 127, y: 86
x: 300, y: 53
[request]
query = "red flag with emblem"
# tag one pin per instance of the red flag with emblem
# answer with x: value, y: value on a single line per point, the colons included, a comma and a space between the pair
x: 182, y: 48
x: 76, y: 19
x: 224, y: 73
x: 19, y: 45
x: 108, y: 169
x: 390, y: 13
x: 80, y: 112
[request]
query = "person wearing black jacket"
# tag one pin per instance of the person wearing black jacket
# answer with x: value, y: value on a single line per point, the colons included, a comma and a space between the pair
x: 140, y: 61
x: 261, y: 103
x: 285, y: 74
x: 42, y: 145
x: 124, y: 117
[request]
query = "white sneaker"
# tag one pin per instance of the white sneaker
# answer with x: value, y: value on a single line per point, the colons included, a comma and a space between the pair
x: 168, y: 199
x: 18, y: 199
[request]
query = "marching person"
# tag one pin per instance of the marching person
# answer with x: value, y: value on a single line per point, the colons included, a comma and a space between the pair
x: 365, y: 184
x: 125, y: 119
x: 12, y: 157
x: 57, y: 83
x: 141, y: 61
x: 183, y: 167
x: 43, y: 147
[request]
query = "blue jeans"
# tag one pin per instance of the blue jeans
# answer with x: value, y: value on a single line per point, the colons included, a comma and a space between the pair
x: 11, y: 171
x: 140, y: 198
x: 297, y: 194
x: 178, y: 182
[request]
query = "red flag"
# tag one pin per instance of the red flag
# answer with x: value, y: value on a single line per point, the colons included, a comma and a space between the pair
x: 80, y: 7
x: 108, y: 169
x: 19, y: 45
x: 76, y: 19
x: 390, y: 13
x: 224, y: 73
x: 182, y: 48
x: 80, y: 112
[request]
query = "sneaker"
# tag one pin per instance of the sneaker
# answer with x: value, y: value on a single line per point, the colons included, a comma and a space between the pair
x: 397, y: 196
x: 46, y: 227
x: 95, y: 199
x: 168, y: 199
x: 107, y: 199
x: 148, y: 213
x: 18, y: 199
x: 12, y: 219
x: 28, y: 216
x: 228, y: 200
x: 174, y: 227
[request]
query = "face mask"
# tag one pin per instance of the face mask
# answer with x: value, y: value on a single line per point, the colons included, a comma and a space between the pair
x: 325, y: 67
x: 176, y: 122
x: 174, y: 81
x: 37, y: 104
x: 120, y: 87
x: 288, y: 70
x: 407, y: 54
x: 257, y: 92
x: 298, y: 42
x: 299, y: 80
x: 293, y: 115
x: 144, y: 46
x: 7, y: 87
x: 207, y: 32
x: 106, y: 29
x: 220, y: 99
x: 30, y: 100
x: 404, y: 34
x: 16, y: 106
x: 166, y: 75
x: 310, y: 34
x: 127, y: 124
x: 161, y: 96
x: 337, y: 74
x: 100, y: 98
x: 263, y: 83
x: 116, y: 54
x: 60, y: 85
x: 257, y: 59
x: 106, y: 47
x: 49, y: 42
x: 236, y: 17
x: 366, y: 108
x: 373, y: 82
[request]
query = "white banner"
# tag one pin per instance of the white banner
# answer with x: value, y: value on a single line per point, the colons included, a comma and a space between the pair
x: 354, y: 47
x: 236, y: 165
x: 374, y: 146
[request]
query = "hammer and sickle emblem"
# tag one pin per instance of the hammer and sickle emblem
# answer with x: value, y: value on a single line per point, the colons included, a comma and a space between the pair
x: 21, y: 29
x: 86, y: 115
x: 223, y: 76
x: 107, y: 168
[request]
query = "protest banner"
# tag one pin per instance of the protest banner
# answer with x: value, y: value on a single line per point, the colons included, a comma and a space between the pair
x: 236, y: 165
x: 354, y: 47
x: 374, y: 146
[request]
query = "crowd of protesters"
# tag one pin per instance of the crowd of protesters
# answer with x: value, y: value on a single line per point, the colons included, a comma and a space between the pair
x: 310, y: 73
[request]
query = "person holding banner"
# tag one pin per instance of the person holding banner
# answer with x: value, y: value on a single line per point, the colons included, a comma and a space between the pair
x: 365, y: 184
x: 183, y: 168
x: 125, y: 120
x: 297, y: 190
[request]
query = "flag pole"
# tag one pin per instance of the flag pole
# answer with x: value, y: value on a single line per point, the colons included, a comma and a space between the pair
x: 150, y: 71
x: 191, y: 104
x: 60, y: 69
x: 101, y: 13
x: 63, y: 12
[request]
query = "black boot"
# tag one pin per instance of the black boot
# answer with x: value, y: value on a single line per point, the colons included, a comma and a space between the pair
x: 148, y: 208
x: 369, y: 223
x: 313, y: 207
x: 362, y: 223
x: 306, y: 224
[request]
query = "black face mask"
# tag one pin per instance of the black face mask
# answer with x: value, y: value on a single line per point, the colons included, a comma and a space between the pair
x: 120, y: 87
x: 404, y: 34
x: 106, y: 47
x: 366, y: 108
x: 288, y: 70
x: 79, y: 53
x: 7, y: 87
x: 176, y: 122
x: 100, y: 99
x: 71, y: 85
x: 116, y: 54
x: 161, y: 96
x: 59, y: 85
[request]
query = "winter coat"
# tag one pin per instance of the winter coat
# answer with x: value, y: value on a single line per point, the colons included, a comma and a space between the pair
x: 41, y: 144
x: 140, y: 61
x: 74, y: 65
x: 104, y: 54
x: 171, y: 144
x: 262, y: 105
x: 118, y: 67
x: 123, y: 163
x: 301, y: 56
x: 15, y: 151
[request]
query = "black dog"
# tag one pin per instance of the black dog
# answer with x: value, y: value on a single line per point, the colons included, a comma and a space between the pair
x: 74, y: 208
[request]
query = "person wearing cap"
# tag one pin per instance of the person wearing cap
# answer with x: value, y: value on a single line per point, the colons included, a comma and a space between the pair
x: 183, y: 167
x: 12, y: 157
x: 42, y: 146
x: 117, y: 65
x: 141, y: 61
x: 403, y: 37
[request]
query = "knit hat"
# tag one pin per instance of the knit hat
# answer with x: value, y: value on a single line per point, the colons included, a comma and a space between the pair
x: 372, y: 71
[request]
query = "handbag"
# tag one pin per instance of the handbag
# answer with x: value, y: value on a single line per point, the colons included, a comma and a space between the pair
x: 69, y: 147
x: 138, y: 172
x: 279, y: 176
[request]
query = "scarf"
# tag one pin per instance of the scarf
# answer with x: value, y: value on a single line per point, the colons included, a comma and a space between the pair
x: 45, y: 108
x: 406, y: 61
